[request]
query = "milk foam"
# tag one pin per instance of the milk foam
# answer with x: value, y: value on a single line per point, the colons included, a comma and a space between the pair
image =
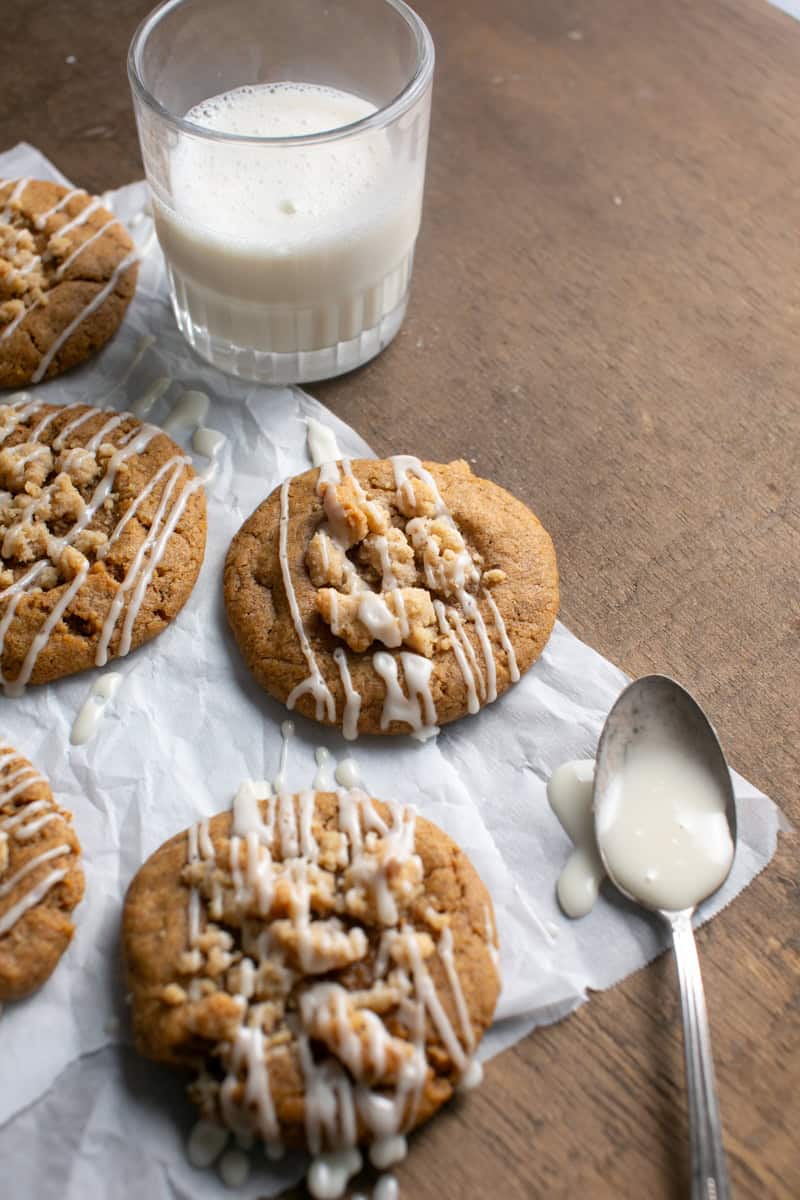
x: 284, y: 246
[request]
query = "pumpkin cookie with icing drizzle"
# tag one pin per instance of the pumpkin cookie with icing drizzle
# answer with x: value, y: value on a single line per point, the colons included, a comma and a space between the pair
x: 324, y: 962
x: 40, y: 877
x: 68, y: 271
x: 390, y: 596
x: 102, y: 535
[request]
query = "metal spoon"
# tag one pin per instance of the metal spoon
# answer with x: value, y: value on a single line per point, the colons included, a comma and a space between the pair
x: 647, y: 708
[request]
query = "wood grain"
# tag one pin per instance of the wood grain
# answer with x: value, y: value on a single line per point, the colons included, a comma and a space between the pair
x: 605, y: 319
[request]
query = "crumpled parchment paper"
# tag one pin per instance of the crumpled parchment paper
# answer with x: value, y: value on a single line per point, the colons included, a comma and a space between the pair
x: 80, y: 1115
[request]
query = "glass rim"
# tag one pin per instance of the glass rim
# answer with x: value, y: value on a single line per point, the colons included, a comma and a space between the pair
x: 382, y: 117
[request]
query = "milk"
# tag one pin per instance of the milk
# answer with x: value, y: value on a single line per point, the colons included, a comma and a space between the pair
x: 280, y: 248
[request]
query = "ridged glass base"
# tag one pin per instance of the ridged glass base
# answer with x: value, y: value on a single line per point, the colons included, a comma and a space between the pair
x: 197, y: 314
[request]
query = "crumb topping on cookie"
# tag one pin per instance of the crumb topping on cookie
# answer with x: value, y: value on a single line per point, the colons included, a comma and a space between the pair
x: 319, y: 984
x: 38, y: 252
x: 396, y: 570
x: 66, y: 507
x: 32, y: 863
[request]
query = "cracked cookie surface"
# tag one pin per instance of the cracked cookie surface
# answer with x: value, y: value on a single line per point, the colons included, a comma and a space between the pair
x: 68, y: 271
x: 390, y: 596
x: 41, y: 880
x: 102, y: 535
x: 324, y: 962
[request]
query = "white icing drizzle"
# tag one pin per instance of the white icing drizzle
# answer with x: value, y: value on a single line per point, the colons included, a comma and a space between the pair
x: 17, y: 686
x: 405, y: 467
x: 338, y: 1097
x: 44, y: 217
x: 473, y: 704
x: 387, y: 1188
x: 287, y: 732
x: 9, y: 884
x: 23, y: 407
x: 314, y: 683
x: 32, y: 897
x: 470, y: 606
x: 82, y: 217
x: 48, y: 419
x: 149, y: 398
x: 18, y: 319
x: 399, y: 707
x: 330, y: 1173
x: 323, y: 777
x: 208, y: 442
x: 472, y: 1077
x: 502, y: 633
x: 322, y: 444
x: 234, y: 1168
x: 21, y: 825
x: 190, y: 409
x: 98, y: 299
x: 448, y: 961
x: 206, y: 1142
x: 16, y: 195
x: 347, y: 774
x: 78, y: 251
x: 87, y: 722
x: 488, y: 926
x: 386, y: 1151
x: 147, y: 558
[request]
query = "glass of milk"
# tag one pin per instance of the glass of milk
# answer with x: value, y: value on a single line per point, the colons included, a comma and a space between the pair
x: 284, y: 143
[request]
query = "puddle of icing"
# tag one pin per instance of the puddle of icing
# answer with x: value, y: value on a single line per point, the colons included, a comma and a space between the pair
x: 87, y: 722
x: 569, y: 792
x: 191, y: 408
x: 322, y: 444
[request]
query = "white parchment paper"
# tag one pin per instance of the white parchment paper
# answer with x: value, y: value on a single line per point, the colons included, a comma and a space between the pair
x: 80, y: 1115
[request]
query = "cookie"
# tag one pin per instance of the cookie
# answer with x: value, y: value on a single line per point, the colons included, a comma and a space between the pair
x: 325, y: 963
x: 102, y: 535
x: 390, y: 596
x: 40, y: 877
x: 67, y: 274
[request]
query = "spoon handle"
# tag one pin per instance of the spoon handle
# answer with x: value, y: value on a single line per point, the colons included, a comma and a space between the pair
x: 709, y: 1171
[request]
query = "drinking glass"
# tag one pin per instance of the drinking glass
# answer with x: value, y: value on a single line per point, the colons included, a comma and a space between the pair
x: 289, y: 256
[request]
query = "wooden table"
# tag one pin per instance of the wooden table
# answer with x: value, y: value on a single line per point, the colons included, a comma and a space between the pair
x: 605, y: 319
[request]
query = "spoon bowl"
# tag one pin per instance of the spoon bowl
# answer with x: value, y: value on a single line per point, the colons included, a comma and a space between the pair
x: 665, y: 823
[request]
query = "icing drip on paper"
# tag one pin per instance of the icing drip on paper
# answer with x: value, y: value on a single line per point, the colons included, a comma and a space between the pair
x: 87, y: 722
x: 569, y: 792
x: 322, y: 444
x: 148, y: 400
x: 191, y: 409
x: 347, y: 774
